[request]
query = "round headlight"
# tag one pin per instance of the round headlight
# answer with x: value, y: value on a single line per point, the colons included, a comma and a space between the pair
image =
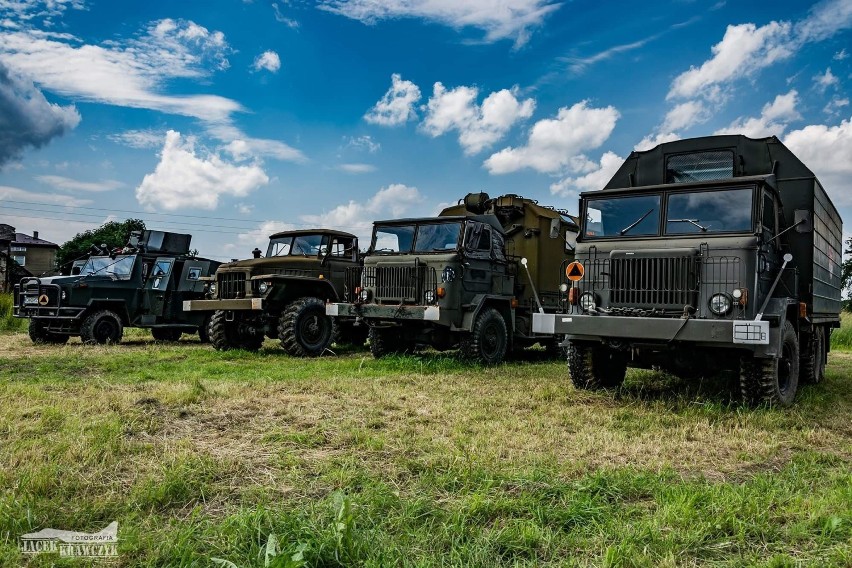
x: 263, y: 287
x: 213, y: 289
x: 429, y: 296
x: 448, y: 274
x: 364, y: 295
x: 588, y: 301
x: 720, y: 304
x: 563, y: 287
x: 64, y: 295
x: 737, y: 294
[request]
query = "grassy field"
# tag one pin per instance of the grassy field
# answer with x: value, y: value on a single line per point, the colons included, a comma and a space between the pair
x: 420, y: 461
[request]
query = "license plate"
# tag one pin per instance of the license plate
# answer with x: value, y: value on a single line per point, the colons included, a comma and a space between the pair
x: 30, y: 300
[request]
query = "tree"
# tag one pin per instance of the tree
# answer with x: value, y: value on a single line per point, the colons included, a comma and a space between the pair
x: 846, y: 272
x: 113, y: 234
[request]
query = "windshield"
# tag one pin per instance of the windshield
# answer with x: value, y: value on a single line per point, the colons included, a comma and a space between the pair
x: 717, y: 211
x: 427, y: 237
x: 120, y: 266
x: 623, y: 216
x: 301, y: 245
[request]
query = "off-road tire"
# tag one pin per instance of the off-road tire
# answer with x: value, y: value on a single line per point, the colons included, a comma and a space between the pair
x: 488, y: 340
x: 812, y: 360
x: 385, y: 341
x: 224, y: 335
x: 39, y: 334
x: 304, y: 329
x: 772, y: 381
x: 352, y: 335
x: 595, y: 367
x: 204, y: 330
x: 101, y: 327
x: 165, y: 334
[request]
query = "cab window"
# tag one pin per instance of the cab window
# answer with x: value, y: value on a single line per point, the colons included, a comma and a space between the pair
x: 342, y: 247
x: 768, y: 220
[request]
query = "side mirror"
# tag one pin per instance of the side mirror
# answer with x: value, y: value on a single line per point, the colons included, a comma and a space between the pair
x: 788, y: 257
x: 803, y: 221
x: 524, y: 262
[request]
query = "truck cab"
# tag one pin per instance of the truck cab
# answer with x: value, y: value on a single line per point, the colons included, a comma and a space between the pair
x: 282, y: 295
x: 703, y: 255
x: 457, y: 279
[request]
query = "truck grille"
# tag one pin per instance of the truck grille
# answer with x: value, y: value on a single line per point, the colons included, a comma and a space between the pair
x: 395, y: 284
x: 654, y: 282
x: 231, y: 285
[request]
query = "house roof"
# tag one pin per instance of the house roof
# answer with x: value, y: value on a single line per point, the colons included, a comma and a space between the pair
x: 23, y: 239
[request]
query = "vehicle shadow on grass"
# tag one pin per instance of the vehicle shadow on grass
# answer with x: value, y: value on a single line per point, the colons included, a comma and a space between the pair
x: 653, y: 385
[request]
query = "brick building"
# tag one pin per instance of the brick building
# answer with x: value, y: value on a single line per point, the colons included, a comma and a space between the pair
x: 24, y: 255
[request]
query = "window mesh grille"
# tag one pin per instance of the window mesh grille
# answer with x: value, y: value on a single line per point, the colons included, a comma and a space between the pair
x: 700, y: 166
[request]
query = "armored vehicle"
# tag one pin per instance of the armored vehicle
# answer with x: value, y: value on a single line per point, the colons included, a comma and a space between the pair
x: 283, y: 295
x: 704, y: 255
x: 471, y: 277
x: 142, y: 285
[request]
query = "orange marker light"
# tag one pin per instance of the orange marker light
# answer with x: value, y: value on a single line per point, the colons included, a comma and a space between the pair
x: 573, y: 295
x: 441, y: 292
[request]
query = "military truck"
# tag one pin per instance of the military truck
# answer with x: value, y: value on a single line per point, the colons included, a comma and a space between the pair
x: 283, y: 295
x: 704, y: 255
x: 471, y: 277
x: 142, y: 285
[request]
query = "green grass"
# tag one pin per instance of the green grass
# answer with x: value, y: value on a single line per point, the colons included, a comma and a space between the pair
x: 412, y: 461
x: 7, y: 321
x: 842, y: 338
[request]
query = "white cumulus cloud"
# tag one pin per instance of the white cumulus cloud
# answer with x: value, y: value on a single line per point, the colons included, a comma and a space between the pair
x: 653, y: 140
x: 506, y: 19
x: 267, y: 60
x: 826, y: 150
x: 744, y: 49
x: 479, y: 127
x: 357, y: 217
x: 397, y: 105
x: 557, y: 145
x: 184, y: 178
x: 685, y: 115
x: 571, y: 187
x: 825, y: 80
x: 773, y: 119
x: 357, y: 168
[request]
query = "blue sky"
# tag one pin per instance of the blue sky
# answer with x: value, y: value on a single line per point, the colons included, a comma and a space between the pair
x: 232, y: 119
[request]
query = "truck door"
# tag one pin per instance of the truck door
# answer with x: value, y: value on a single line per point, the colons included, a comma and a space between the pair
x: 157, y: 286
x: 769, y: 255
x: 478, y: 265
x: 342, y: 252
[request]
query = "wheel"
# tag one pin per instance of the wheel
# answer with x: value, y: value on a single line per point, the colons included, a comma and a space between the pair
x: 39, y: 334
x: 166, y: 334
x: 303, y: 328
x: 812, y: 360
x: 226, y: 335
x: 823, y: 354
x: 385, y: 341
x: 488, y: 340
x: 203, y: 330
x: 595, y: 366
x: 102, y: 327
x: 353, y: 335
x: 772, y: 381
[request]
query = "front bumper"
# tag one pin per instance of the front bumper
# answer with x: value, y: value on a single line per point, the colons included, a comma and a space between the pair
x: 241, y: 304
x: 383, y: 312
x: 653, y: 330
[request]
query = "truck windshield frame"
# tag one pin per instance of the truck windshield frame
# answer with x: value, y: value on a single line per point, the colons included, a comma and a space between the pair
x: 428, y: 237
x: 712, y: 211
x: 120, y: 267
x: 622, y: 216
x: 309, y: 245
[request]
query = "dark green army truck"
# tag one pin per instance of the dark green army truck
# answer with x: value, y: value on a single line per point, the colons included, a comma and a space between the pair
x: 282, y: 295
x: 705, y: 255
x: 471, y: 277
x: 142, y: 285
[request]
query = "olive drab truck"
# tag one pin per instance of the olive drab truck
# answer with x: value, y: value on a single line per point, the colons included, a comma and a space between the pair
x: 471, y: 278
x: 282, y: 295
x: 704, y: 255
x: 142, y: 285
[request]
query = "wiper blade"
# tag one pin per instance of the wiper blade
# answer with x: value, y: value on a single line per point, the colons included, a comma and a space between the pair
x: 636, y: 222
x: 693, y: 221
